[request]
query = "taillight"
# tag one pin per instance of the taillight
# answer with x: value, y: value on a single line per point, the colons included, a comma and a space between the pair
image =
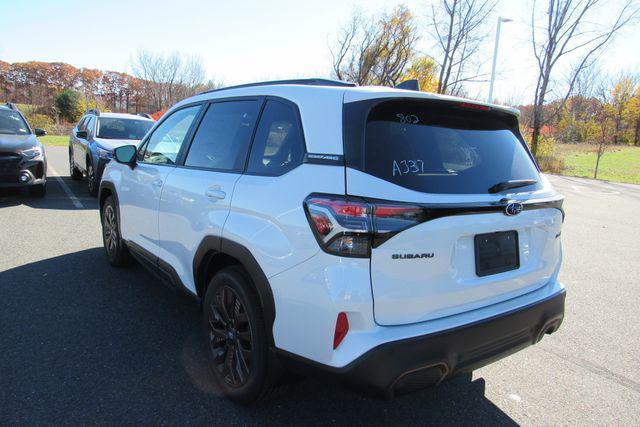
x: 341, y: 225
x: 350, y: 226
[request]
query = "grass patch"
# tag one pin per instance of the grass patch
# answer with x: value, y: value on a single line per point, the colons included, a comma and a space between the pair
x: 55, y: 140
x: 620, y: 164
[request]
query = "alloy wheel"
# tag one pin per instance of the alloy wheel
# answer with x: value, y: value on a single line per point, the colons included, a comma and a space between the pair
x: 110, y: 229
x: 230, y: 337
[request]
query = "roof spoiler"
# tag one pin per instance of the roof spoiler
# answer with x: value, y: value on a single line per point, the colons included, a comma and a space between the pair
x: 93, y: 111
x: 412, y: 84
x: 145, y: 115
x: 11, y: 106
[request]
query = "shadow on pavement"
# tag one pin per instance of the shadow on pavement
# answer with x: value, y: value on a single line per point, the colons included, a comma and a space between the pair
x: 56, y: 197
x: 84, y: 343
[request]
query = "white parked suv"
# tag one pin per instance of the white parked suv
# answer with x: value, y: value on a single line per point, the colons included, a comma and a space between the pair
x: 384, y: 238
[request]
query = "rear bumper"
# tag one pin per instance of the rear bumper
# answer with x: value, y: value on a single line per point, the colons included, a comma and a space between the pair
x: 416, y: 363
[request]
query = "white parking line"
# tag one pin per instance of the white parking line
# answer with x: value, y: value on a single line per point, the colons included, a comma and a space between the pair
x: 77, y: 203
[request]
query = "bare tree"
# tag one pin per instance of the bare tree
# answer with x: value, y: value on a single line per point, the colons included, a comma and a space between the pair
x: 169, y: 77
x: 567, y: 31
x: 605, y: 118
x: 375, y: 52
x: 458, y: 29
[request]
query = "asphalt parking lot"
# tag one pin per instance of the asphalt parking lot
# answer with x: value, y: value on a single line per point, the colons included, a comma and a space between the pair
x: 83, y: 343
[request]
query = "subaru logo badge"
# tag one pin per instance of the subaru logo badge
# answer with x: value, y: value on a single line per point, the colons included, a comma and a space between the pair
x: 513, y: 208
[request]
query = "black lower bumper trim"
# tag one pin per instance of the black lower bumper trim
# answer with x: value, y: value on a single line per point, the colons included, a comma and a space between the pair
x: 419, y: 362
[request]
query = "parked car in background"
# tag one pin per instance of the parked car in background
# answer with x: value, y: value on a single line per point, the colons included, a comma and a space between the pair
x: 384, y: 238
x: 22, y: 157
x: 95, y: 136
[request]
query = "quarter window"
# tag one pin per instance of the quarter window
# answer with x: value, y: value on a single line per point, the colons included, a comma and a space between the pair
x: 222, y: 139
x: 278, y: 146
x: 82, y: 123
x: 165, y: 142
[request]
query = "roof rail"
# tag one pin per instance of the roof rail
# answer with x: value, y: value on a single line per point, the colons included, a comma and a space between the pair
x: 145, y: 115
x: 11, y: 106
x: 308, y: 82
x: 93, y: 111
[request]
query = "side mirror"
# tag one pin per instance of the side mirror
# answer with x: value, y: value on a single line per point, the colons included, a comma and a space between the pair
x: 40, y: 132
x: 81, y: 134
x: 126, y: 154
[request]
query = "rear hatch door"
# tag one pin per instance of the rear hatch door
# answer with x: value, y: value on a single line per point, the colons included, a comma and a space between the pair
x: 464, y: 248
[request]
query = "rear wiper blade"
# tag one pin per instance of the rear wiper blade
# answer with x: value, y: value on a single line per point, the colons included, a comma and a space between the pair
x: 514, y: 183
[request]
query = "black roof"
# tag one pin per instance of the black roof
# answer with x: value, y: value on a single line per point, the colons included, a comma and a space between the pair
x: 309, y: 82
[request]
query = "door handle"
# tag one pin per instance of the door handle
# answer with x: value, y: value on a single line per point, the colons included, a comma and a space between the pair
x: 157, y: 183
x: 215, y: 193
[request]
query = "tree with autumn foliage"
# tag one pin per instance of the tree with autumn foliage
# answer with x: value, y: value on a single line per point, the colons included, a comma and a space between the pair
x: 375, y: 50
x: 39, y: 83
x: 425, y: 70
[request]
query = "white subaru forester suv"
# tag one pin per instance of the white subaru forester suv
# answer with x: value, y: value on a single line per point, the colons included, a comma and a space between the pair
x: 385, y: 238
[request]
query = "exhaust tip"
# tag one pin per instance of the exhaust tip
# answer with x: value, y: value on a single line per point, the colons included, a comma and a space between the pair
x: 549, y: 328
x: 419, y: 379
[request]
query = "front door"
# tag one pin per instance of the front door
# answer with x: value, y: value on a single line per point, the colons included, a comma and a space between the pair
x: 141, y: 187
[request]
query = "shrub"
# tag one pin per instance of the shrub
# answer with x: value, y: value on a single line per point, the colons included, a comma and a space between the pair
x: 40, y: 121
x: 68, y: 104
x: 551, y: 164
x: 547, y: 158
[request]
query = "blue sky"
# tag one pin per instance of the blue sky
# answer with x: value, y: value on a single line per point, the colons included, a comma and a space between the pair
x: 245, y: 41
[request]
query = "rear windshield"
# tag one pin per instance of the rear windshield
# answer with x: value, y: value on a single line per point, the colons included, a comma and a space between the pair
x: 12, y: 123
x: 120, y: 128
x: 439, y: 148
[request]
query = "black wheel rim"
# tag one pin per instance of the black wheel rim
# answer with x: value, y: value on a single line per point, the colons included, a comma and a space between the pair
x: 90, y: 178
x: 230, y: 337
x: 110, y: 229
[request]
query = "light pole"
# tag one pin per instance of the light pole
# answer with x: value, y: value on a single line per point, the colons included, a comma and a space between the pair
x: 495, y: 57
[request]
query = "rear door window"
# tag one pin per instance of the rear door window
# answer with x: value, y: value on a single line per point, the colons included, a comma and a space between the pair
x: 278, y: 145
x: 436, y: 148
x: 223, y: 137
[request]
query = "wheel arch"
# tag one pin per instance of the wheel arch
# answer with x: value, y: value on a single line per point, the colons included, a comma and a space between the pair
x: 108, y: 189
x: 215, y: 253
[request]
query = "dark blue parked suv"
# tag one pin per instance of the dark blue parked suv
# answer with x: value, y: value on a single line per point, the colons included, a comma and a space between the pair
x: 95, y: 137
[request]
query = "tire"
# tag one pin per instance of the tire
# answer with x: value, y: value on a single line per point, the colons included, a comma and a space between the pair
x: 235, y: 336
x: 39, y: 190
x: 92, y: 184
x: 114, y: 247
x: 75, y: 173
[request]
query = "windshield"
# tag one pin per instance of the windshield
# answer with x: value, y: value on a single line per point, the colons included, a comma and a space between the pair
x: 12, y: 123
x: 443, y: 148
x: 120, y: 128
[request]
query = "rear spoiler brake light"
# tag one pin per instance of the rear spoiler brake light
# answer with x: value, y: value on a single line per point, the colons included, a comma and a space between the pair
x: 477, y: 107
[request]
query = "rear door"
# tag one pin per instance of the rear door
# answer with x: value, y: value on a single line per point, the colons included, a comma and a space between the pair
x: 436, y: 162
x: 196, y: 196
